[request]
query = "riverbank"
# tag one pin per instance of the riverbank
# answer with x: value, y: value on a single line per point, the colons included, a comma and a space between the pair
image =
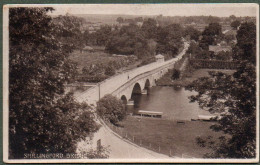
x: 168, y: 136
x: 188, y: 78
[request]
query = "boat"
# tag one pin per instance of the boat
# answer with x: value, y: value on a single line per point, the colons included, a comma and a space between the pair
x: 149, y: 114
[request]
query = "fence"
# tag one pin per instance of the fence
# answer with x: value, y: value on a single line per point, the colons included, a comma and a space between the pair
x: 165, y: 149
x: 213, y: 64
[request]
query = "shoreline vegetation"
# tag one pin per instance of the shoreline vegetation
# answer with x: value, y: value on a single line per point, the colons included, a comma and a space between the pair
x: 187, y: 77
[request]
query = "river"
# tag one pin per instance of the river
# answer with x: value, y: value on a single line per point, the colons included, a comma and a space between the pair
x: 172, y: 101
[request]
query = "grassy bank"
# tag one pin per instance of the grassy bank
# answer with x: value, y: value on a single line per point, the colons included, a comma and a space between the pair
x: 181, y: 138
x: 188, y: 78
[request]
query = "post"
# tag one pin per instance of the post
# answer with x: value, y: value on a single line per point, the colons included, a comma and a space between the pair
x: 170, y: 152
x: 99, y: 145
x: 98, y: 91
x: 159, y: 148
x: 140, y: 142
x: 133, y: 138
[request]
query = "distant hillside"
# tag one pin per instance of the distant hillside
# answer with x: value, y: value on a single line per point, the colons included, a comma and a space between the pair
x: 106, y: 19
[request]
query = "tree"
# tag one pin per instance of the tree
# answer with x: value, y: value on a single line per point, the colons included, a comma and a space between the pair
x: 120, y: 20
x: 102, y: 35
x: 235, y: 24
x: 175, y: 74
x: 111, y: 108
x: 234, y: 97
x: 169, y: 39
x: 232, y: 17
x: 139, y: 19
x: 86, y: 37
x: 213, y: 29
x: 42, y: 118
x: 229, y: 38
x: 126, y: 41
x: 149, y: 28
x: 222, y: 55
x: 246, y: 43
x: 192, y: 32
x: 210, y: 34
x: 70, y: 33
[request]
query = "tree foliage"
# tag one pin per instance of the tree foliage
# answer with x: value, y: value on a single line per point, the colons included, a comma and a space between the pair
x: 144, y: 42
x: 169, y: 39
x: 42, y: 119
x: 234, y: 97
x: 149, y: 28
x: 176, y: 74
x: 128, y: 40
x: 246, y: 43
x: 120, y: 20
x: 235, y: 24
x: 111, y: 108
x: 69, y: 31
x: 210, y: 35
x: 192, y: 32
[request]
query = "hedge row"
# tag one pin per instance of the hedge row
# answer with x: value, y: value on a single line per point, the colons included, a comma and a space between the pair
x: 213, y: 64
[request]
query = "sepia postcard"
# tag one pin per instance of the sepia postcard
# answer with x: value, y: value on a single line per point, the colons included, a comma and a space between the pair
x: 131, y: 83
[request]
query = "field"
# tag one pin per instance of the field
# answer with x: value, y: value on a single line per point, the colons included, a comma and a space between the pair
x: 181, y: 138
x: 97, y: 57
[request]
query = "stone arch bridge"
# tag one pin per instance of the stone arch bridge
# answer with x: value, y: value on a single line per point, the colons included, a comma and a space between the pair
x: 134, y: 81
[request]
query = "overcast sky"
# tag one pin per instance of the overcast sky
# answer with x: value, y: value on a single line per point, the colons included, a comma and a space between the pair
x: 221, y: 10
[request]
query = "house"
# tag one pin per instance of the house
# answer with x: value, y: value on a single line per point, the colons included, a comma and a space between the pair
x: 218, y: 48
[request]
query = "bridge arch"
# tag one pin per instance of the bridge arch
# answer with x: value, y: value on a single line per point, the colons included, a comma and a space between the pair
x: 147, y: 86
x: 136, y: 94
x: 124, y: 99
x: 136, y: 89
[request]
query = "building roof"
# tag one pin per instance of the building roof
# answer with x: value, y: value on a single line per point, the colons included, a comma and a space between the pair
x: 87, y: 48
x: 230, y: 32
x: 149, y: 112
x: 159, y: 56
x: 218, y: 48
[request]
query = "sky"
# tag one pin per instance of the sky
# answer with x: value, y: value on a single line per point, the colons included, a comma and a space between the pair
x: 220, y: 9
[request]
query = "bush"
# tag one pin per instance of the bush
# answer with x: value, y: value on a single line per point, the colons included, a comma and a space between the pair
x: 110, y: 108
x: 175, y: 74
x: 147, y: 60
x: 110, y: 71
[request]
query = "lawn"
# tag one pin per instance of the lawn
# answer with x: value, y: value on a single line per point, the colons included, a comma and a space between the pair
x: 167, y: 134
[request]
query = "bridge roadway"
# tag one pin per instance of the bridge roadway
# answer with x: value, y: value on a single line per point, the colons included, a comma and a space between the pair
x: 122, y: 85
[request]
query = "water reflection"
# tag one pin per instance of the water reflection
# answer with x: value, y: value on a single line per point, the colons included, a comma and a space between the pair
x: 172, y: 101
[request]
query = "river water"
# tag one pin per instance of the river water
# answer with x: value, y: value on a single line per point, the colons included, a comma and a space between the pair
x: 172, y: 101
